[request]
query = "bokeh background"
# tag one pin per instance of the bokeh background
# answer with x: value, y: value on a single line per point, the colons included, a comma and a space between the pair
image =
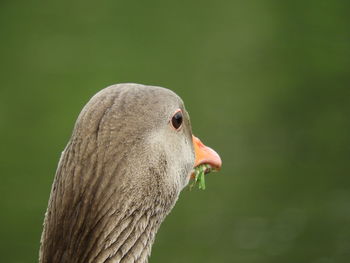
x: 266, y: 84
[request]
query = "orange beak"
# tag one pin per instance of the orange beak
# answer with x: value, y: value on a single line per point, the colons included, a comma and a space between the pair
x: 205, y: 155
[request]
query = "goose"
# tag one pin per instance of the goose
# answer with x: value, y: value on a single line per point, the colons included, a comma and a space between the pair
x: 130, y: 154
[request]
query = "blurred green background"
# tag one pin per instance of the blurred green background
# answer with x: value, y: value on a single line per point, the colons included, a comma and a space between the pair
x: 267, y: 85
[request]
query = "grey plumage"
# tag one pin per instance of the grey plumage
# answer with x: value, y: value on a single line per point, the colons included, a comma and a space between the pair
x: 118, y: 177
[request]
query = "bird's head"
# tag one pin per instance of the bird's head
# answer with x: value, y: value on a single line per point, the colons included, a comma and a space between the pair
x: 145, y: 132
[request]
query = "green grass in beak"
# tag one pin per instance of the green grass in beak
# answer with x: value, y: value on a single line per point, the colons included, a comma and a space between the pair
x: 199, y: 177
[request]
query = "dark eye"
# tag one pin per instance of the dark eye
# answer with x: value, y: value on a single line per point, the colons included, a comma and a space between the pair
x: 176, y: 120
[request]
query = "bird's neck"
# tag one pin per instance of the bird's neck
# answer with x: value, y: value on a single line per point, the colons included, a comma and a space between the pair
x: 122, y: 237
x: 128, y: 241
x: 98, y: 215
x: 123, y: 234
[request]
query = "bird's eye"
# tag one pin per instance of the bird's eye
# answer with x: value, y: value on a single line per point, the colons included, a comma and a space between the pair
x: 176, y: 120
